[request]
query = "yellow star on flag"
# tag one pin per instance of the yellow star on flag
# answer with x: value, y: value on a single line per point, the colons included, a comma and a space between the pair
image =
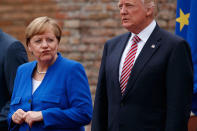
x: 183, y: 19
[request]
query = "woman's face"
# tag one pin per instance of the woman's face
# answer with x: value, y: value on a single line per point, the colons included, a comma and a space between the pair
x: 44, y: 46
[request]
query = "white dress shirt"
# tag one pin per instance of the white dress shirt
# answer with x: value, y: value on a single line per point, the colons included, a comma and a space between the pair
x: 143, y: 35
x: 35, y: 84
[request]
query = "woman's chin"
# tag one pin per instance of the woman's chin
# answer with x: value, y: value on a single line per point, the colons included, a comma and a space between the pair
x: 46, y: 59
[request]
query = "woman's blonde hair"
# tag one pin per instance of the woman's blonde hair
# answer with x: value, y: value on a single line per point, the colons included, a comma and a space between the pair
x: 40, y: 25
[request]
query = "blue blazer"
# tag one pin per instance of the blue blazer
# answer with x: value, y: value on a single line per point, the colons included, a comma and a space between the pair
x: 63, y: 97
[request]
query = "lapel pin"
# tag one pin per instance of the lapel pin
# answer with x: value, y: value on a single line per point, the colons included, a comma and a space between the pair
x: 152, y: 46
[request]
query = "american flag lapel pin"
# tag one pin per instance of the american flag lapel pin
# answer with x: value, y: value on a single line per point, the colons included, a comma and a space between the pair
x: 153, y: 46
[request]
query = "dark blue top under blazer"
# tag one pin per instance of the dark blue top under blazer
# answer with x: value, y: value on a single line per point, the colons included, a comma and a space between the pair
x: 63, y: 97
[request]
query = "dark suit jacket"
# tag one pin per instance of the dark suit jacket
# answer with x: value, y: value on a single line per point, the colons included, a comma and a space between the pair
x: 159, y: 91
x: 12, y: 54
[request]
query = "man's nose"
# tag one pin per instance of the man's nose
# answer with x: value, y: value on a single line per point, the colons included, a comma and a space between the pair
x: 123, y: 10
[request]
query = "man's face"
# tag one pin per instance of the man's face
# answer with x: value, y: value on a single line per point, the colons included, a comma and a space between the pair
x: 133, y: 15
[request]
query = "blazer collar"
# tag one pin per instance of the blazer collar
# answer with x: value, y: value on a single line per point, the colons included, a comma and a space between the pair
x: 145, y: 55
x: 1, y: 33
x: 49, y: 72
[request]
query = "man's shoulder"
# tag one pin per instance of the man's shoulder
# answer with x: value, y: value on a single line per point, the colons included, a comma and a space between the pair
x: 7, y: 37
x: 7, y: 40
x: 119, y: 37
x: 171, y: 40
x: 170, y: 36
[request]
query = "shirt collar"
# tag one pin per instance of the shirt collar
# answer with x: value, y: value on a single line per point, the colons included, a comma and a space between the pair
x: 146, y: 32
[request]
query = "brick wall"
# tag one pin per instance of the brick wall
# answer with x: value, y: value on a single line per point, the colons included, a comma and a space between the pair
x: 15, y: 15
x: 86, y: 24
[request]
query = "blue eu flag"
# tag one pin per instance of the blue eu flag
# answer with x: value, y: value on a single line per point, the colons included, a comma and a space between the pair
x: 186, y: 27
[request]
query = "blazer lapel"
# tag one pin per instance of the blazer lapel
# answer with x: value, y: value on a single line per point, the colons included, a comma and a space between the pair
x: 116, y: 57
x: 29, y: 75
x: 147, y: 52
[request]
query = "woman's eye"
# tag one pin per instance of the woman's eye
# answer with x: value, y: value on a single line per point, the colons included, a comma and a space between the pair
x: 49, y: 40
x: 38, y: 41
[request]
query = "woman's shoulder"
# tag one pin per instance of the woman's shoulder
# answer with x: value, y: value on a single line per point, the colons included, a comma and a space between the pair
x: 66, y: 64
x: 70, y: 63
x: 27, y: 65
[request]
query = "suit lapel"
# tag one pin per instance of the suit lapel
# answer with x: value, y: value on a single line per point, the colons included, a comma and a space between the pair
x: 116, y: 57
x: 147, y: 52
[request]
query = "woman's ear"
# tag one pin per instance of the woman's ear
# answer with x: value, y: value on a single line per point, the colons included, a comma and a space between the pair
x: 29, y: 47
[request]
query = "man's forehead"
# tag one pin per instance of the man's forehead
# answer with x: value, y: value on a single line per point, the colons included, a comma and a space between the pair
x: 127, y: 1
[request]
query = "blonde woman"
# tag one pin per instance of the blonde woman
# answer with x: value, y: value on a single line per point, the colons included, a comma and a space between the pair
x: 51, y: 93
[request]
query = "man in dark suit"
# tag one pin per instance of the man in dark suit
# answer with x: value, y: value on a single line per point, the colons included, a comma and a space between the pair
x: 12, y: 54
x: 146, y: 77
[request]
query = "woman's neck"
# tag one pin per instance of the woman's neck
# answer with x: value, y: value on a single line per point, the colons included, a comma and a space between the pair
x: 42, y: 66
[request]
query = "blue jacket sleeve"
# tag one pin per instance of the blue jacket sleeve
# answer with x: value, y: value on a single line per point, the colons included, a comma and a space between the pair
x: 11, y: 125
x: 80, y: 111
x: 15, y: 56
x: 194, y: 104
x: 179, y: 88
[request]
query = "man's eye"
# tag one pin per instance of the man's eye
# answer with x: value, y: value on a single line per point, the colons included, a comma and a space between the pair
x: 129, y: 5
x: 120, y: 6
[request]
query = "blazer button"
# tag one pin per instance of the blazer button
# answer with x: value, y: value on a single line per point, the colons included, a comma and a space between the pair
x: 29, y: 101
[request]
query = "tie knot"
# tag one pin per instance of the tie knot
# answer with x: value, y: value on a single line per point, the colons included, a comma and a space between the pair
x: 136, y: 39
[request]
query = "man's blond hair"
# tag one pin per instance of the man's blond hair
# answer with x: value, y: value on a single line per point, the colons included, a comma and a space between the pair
x: 151, y: 4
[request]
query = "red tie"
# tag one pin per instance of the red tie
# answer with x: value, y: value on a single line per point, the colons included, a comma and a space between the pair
x: 128, y: 63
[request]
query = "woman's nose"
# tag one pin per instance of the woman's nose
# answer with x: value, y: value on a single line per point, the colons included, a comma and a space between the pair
x: 44, y: 43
